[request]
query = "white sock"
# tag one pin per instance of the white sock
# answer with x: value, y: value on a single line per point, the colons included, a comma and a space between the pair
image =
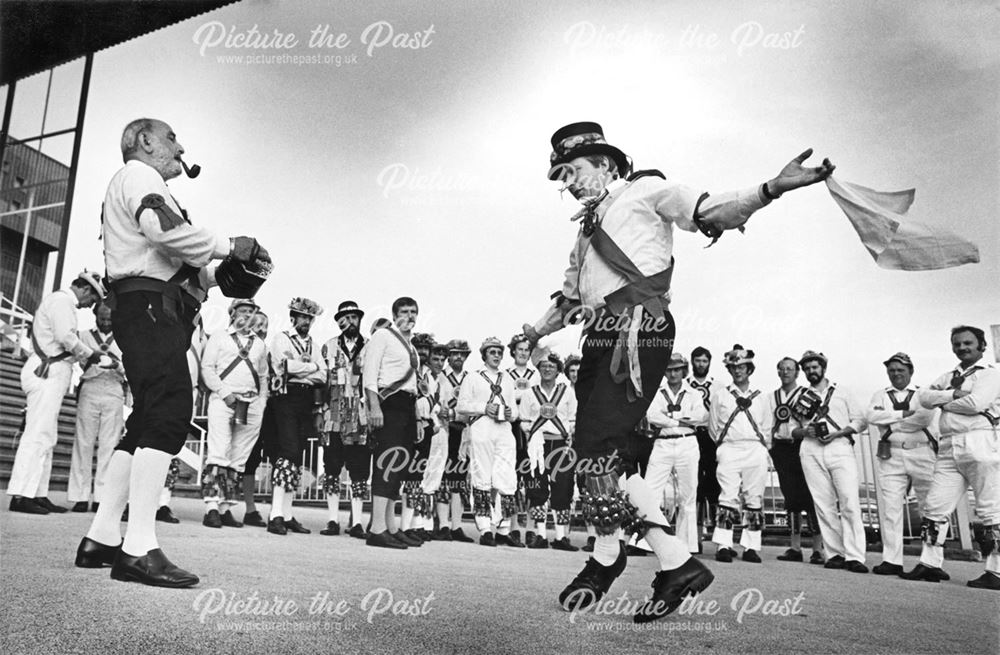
x: 456, y: 511
x: 541, y: 527
x: 165, y: 496
x: 209, y: 506
x: 606, y: 549
x: 723, y: 537
x: 670, y: 551
x: 591, y: 531
x: 286, y: 504
x: 278, y: 502
x: 750, y: 539
x: 333, y: 506
x: 106, y: 526
x: 442, y: 512
x: 429, y: 523
x: 356, y: 517
x: 560, y: 531
x: 483, y: 524
x: 224, y: 507
x: 406, y: 515
x: 149, y: 468
x: 993, y: 563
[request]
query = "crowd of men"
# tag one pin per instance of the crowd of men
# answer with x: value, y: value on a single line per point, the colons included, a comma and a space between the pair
x: 413, y: 422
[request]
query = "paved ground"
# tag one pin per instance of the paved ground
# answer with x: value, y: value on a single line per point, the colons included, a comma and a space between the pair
x: 265, y: 594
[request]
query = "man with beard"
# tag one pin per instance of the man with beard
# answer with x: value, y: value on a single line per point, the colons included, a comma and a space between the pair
x: 234, y: 369
x: 740, y: 422
x: 389, y: 376
x: 830, y: 419
x: 969, y: 399
x: 303, y: 373
x: 708, y: 482
x: 156, y: 259
x: 906, y: 455
x: 620, y: 268
x: 100, y: 414
x: 548, y: 414
x: 674, y: 415
x: 344, y: 435
x: 455, y: 481
x: 787, y: 463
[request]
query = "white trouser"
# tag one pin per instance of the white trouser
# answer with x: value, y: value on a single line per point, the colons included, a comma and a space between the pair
x: 969, y: 459
x: 832, y: 475
x: 230, y: 445
x: 742, y: 464
x: 680, y: 456
x: 906, y: 466
x: 33, y: 461
x: 492, y: 456
x: 100, y: 417
x: 437, y: 458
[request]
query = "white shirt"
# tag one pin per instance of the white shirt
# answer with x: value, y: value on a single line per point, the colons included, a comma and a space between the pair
x: 428, y: 401
x: 523, y: 379
x: 640, y: 221
x: 723, y: 407
x: 692, y: 410
x: 843, y: 410
x: 965, y: 414
x: 706, y: 388
x: 54, y: 327
x: 286, y: 354
x: 142, y: 247
x: 880, y: 413
x: 450, y: 383
x: 782, y: 430
x: 475, y: 393
x: 565, y: 410
x: 221, y: 351
x: 387, y: 361
x: 99, y: 341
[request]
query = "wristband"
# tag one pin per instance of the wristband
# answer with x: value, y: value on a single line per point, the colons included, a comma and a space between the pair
x: 768, y: 194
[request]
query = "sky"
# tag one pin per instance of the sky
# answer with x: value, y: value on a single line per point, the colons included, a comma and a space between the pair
x: 371, y: 171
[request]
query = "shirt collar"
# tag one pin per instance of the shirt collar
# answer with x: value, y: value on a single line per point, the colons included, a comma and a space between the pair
x: 615, y: 184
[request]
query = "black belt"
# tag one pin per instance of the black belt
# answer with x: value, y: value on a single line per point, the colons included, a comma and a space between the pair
x: 674, y: 436
x: 130, y: 284
x: 303, y: 385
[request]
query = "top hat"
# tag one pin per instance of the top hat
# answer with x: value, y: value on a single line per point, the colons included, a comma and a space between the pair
x: 581, y: 140
x: 348, y: 307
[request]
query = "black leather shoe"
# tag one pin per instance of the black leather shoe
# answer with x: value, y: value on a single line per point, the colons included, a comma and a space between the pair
x: 81, y: 507
x: 425, y: 535
x: 885, y: 568
x: 277, y: 526
x: 511, y: 540
x: 589, y: 548
x: 443, y: 534
x: 835, y: 562
x: 564, y: 544
x: 791, y: 555
x: 94, y: 506
x: 212, y: 519
x: 923, y: 572
x: 854, y: 566
x: 384, y: 540
x: 816, y: 558
x: 590, y: 585
x: 538, y: 542
x: 152, y: 569
x: 671, y: 587
x: 332, y: 529
x: 294, y: 526
x: 406, y: 539
x: 944, y: 575
x: 486, y: 539
x: 751, y: 556
x: 413, y: 534
x: 49, y: 505
x: 164, y: 515
x: 724, y: 555
x: 254, y: 519
x: 458, y: 535
x: 985, y: 581
x: 229, y: 521
x: 357, y: 531
x: 92, y: 554
x: 26, y: 506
